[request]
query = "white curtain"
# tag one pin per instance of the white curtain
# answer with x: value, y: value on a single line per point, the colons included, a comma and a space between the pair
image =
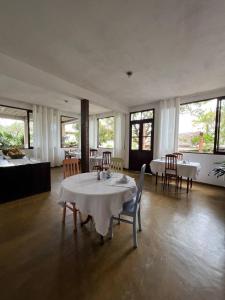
x: 168, y: 126
x: 93, y: 128
x: 119, y: 135
x: 47, y: 135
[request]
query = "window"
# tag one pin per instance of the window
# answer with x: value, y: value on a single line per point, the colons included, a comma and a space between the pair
x: 220, y: 145
x: 16, y: 127
x: 106, y: 132
x: 70, y: 132
x: 201, y: 126
x: 141, y: 130
x: 142, y: 115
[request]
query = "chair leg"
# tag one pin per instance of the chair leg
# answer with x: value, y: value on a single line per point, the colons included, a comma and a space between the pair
x: 156, y: 178
x: 139, y: 219
x: 119, y: 220
x: 74, y: 216
x: 180, y: 182
x: 64, y: 214
x: 111, y: 228
x: 135, y: 233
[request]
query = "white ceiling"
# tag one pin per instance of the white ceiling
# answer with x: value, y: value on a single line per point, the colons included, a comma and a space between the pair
x: 13, y: 89
x: 174, y: 47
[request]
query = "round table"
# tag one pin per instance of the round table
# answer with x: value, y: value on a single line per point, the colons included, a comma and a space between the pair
x: 99, y: 198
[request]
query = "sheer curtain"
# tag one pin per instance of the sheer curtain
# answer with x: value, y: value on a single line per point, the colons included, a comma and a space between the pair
x: 47, y: 135
x: 119, y: 135
x: 168, y: 125
x: 93, y: 127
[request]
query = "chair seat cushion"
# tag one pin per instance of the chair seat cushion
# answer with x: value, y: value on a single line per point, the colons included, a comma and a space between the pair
x: 129, y: 206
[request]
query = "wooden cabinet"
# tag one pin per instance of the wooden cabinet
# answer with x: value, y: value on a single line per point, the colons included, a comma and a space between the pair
x: 24, y: 180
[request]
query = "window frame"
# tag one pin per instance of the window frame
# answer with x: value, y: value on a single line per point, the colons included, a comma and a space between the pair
x: 62, y: 122
x: 141, y: 121
x: 100, y: 118
x: 217, y: 126
x: 28, y: 122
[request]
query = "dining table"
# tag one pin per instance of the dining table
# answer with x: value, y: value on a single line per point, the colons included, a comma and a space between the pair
x: 185, y: 169
x: 99, y: 199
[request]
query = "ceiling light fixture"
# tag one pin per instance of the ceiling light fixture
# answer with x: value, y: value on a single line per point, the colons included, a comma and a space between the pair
x: 129, y: 73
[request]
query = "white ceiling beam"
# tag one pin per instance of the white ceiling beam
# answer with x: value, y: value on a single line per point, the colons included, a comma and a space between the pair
x: 29, y: 74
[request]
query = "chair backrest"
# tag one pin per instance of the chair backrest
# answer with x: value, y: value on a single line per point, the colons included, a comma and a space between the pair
x: 171, y: 162
x: 106, y: 157
x: 179, y: 155
x: 71, y: 166
x: 93, y: 152
x: 67, y: 154
x: 140, y: 184
x: 116, y: 164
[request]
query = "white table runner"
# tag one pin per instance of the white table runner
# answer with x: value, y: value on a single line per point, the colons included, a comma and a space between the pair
x: 190, y: 170
x: 97, y: 198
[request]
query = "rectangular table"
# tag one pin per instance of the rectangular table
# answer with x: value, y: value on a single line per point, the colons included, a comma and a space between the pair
x: 23, y: 177
x: 189, y: 170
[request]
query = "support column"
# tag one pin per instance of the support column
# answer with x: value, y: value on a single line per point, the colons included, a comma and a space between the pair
x: 84, y: 135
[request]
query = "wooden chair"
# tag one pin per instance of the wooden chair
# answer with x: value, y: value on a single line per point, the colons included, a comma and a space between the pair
x: 106, y: 160
x: 93, y: 152
x: 67, y: 154
x: 116, y: 164
x: 179, y: 155
x: 171, y: 169
x: 71, y: 166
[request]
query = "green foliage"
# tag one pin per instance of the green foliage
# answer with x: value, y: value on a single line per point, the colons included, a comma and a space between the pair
x: 12, y: 135
x: 204, y: 117
x: 106, y: 132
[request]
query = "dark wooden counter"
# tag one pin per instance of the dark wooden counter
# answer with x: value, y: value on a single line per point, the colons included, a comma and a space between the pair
x: 24, y: 180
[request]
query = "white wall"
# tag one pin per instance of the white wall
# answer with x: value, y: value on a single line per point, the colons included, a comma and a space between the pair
x: 207, y: 162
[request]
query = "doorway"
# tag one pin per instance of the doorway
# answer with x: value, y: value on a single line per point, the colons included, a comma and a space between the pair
x: 141, y: 139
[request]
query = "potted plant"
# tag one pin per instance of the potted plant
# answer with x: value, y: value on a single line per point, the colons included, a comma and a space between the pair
x: 219, y: 170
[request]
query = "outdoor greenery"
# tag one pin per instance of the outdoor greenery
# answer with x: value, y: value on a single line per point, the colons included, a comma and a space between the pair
x: 202, y: 115
x: 106, y: 132
x: 12, y: 135
x: 71, y: 134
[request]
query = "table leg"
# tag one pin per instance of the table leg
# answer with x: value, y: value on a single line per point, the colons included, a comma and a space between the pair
x: 187, y: 185
x: 156, y: 178
x: 101, y: 239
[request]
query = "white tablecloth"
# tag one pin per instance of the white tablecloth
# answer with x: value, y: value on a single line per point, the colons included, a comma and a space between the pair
x: 99, y: 198
x: 190, y: 169
x: 17, y: 162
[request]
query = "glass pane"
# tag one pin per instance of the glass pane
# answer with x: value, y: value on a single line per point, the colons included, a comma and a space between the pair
x: 135, y: 130
x: 136, y: 116
x: 148, y: 114
x: 106, y: 132
x: 70, y: 128
x: 135, y: 143
x: 146, y: 143
x: 31, y: 128
x: 222, y: 127
x: 13, y: 128
x: 147, y: 129
x: 197, y: 126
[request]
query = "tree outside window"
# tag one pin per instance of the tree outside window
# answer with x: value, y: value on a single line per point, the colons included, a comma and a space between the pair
x: 106, y: 132
x: 14, y: 129
x: 70, y: 132
x: 197, y: 126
